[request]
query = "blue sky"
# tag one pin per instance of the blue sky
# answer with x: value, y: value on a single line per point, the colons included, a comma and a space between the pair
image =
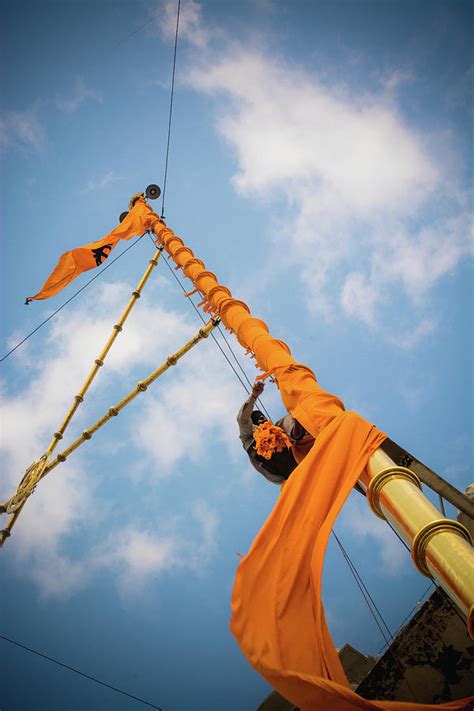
x: 321, y: 164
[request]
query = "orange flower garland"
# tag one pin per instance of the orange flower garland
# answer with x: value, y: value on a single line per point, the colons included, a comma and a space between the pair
x: 270, y: 439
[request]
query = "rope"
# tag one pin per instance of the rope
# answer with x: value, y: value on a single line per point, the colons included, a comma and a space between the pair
x: 237, y: 360
x: 264, y: 409
x: 171, y: 111
x: 134, y: 32
x: 77, y: 671
x: 362, y: 587
x: 217, y: 342
x: 109, y: 264
x: 366, y: 595
x: 432, y: 583
x: 409, y: 615
x: 453, y: 605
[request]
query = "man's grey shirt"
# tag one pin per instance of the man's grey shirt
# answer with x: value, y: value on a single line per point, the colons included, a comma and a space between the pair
x: 246, y: 437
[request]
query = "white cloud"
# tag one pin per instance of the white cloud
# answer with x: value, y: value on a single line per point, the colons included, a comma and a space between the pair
x: 390, y: 81
x: 177, y: 419
x: 80, y: 94
x: 21, y: 128
x: 103, y: 182
x: 138, y: 556
x: 59, y: 507
x: 375, y: 209
x: 359, y: 298
x: 189, y: 413
x: 208, y: 520
x: 191, y: 26
x: 419, y: 260
x: 24, y: 129
x: 286, y: 127
x: 409, y: 339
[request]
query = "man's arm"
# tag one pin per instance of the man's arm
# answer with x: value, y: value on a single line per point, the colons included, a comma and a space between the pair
x: 243, y: 416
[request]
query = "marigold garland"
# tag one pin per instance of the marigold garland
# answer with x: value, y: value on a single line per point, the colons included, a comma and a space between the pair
x: 270, y: 439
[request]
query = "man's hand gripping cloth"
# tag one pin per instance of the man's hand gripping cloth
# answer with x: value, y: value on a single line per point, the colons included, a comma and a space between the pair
x: 277, y: 611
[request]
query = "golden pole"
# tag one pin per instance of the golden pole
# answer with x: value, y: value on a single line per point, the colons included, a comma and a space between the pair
x: 441, y: 547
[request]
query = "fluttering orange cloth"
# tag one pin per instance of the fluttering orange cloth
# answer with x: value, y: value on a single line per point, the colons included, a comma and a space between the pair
x: 277, y: 611
x: 301, y: 447
x: 92, y: 255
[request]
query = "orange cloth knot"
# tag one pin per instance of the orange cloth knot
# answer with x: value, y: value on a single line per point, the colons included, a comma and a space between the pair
x: 190, y: 293
x: 270, y: 439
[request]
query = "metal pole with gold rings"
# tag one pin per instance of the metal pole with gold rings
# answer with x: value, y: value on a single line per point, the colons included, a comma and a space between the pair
x: 441, y: 548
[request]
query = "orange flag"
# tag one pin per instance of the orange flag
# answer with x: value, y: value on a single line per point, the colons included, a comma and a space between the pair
x: 92, y: 255
x: 277, y: 611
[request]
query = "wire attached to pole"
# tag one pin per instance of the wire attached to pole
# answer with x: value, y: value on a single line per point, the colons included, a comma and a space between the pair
x: 374, y: 611
x: 247, y: 389
x: 77, y: 671
x: 171, y: 112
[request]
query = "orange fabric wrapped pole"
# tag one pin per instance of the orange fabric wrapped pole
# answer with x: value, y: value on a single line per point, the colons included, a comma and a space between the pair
x: 277, y: 611
x: 92, y: 255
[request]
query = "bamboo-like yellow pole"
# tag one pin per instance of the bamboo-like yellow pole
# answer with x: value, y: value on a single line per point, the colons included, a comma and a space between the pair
x: 112, y: 412
x: 441, y: 547
x: 99, y: 361
x: 140, y: 387
x: 36, y: 471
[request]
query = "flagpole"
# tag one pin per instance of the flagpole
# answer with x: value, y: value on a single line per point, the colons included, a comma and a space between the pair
x: 441, y: 548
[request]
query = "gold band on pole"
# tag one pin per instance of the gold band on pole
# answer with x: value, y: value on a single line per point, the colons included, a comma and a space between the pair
x: 441, y: 548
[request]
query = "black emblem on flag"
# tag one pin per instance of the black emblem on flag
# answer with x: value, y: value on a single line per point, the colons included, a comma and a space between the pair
x: 101, y: 253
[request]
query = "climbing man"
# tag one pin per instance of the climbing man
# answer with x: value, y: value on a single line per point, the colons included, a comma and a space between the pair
x: 279, y: 466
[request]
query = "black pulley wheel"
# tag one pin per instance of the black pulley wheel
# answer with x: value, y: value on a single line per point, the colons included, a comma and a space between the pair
x: 123, y: 215
x: 153, y: 191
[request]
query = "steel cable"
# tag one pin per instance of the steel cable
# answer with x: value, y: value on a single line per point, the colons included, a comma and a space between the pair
x: 77, y: 671
x: 171, y: 111
x: 183, y: 289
